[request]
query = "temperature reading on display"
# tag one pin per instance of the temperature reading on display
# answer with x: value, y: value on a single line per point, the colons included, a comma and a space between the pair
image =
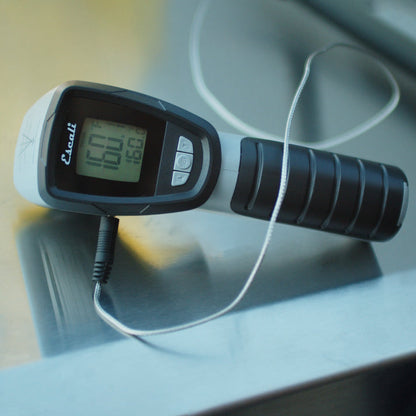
x: 109, y: 150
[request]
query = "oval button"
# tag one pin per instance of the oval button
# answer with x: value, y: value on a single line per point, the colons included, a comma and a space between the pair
x: 183, y: 162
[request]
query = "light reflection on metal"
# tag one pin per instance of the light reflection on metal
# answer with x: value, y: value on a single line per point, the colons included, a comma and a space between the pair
x: 156, y: 240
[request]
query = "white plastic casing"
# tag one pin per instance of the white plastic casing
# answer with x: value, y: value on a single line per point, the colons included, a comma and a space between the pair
x: 222, y: 194
x: 28, y: 149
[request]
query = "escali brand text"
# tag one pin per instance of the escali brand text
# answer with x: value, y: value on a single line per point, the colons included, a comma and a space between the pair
x: 67, y: 155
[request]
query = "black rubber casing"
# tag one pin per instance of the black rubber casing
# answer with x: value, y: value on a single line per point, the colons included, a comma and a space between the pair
x: 325, y: 191
x: 96, y: 200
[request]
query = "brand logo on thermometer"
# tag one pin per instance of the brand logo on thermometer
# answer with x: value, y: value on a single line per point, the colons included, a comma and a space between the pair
x: 67, y: 155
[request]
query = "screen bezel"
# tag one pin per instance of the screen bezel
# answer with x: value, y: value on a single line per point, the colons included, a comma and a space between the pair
x: 203, y: 178
x: 74, y: 108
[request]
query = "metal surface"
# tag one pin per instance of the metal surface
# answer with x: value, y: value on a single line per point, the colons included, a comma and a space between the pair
x: 323, y: 310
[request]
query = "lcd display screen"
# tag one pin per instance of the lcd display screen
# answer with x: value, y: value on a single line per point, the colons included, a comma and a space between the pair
x: 111, y: 151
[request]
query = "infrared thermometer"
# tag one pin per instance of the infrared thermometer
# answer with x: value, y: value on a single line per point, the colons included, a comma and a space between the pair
x: 102, y: 150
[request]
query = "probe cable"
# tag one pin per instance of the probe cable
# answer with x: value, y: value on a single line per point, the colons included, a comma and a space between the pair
x: 108, y: 232
x: 218, y: 107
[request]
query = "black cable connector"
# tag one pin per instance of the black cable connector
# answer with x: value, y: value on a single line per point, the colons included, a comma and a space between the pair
x: 104, y: 255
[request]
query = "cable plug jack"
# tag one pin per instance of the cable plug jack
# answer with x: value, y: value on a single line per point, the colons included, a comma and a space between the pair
x: 104, y: 255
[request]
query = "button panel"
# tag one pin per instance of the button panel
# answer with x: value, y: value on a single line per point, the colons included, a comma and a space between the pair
x: 183, y: 161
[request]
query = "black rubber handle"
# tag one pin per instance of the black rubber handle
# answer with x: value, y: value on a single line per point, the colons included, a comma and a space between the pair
x: 326, y: 191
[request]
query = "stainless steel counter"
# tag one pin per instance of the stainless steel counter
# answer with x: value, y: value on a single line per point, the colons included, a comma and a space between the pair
x: 328, y: 319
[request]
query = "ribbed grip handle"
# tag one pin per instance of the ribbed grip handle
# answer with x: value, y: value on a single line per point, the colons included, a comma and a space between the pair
x: 326, y: 191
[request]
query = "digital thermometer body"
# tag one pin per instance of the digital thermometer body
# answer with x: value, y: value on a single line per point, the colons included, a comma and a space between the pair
x: 102, y: 150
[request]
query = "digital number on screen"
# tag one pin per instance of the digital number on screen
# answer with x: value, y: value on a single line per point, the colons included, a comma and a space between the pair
x: 109, y: 150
